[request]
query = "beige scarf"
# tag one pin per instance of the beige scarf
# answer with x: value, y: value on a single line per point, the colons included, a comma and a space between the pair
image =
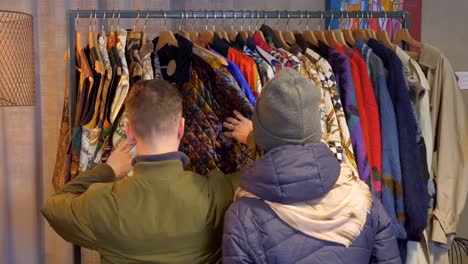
x: 338, y: 216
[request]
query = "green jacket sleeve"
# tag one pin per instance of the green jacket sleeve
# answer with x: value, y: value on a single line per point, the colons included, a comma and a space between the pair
x: 67, y: 210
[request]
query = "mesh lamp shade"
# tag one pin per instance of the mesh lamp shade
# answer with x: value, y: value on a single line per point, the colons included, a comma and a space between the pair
x: 17, y: 87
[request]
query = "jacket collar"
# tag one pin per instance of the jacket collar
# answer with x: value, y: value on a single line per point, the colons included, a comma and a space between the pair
x: 429, y: 56
x: 176, y: 155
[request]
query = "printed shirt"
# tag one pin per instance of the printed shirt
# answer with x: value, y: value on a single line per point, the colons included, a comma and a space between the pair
x: 327, y: 77
x: 342, y: 69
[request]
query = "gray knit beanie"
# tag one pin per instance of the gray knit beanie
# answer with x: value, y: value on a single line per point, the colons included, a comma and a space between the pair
x: 287, y: 112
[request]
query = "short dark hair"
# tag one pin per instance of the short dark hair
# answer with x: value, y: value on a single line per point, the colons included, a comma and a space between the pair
x: 153, y: 107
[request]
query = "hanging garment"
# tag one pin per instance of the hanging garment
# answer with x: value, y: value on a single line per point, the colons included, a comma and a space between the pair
x: 104, y: 125
x: 270, y: 36
x: 342, y: 70
x: 392, y: 188
x: 263, y: 60
x: 135, y: 68
x: 414, y: 186
x: 91, y: 130
x: 366, y: 100
x: 240, y: 79
x: 450, y: 132
x: 329, y: 122
x: 328, y: 80
x: 145, y: 57
x: 124, y: 83
x: 420, y: 88
x: 207, y: 102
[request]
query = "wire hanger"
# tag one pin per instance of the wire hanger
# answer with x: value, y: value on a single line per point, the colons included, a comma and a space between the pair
x: 243, y: 33
x: 329, y: 35
x: 136, y: 21
x: 233, y: 34
x: 309, y: 34
x: 288, y: 35
x: 348, y: 35
x: 319, y: 34
x: 193, y: 34
x: 257, y: 31
x: 208, y: 35
x: 339, y: 36
x: 279, y: 35
x: 359, y: 33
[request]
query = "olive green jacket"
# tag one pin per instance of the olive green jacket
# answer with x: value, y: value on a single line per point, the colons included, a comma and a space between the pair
x: 162, y: 214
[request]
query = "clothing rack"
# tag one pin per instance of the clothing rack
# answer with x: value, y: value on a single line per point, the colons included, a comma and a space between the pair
x: 73, y: 17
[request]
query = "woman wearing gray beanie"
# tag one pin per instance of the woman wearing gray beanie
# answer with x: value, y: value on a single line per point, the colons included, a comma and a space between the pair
x: 296, y: 203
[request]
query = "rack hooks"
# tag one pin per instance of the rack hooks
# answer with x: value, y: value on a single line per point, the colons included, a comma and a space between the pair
x: 118, y: 21
x: 165, y: 20
x: 76, y: 20
x: 308, y: 21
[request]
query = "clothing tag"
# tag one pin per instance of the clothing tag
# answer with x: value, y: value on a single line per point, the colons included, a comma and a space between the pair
x: 171, y: 68
x: 462, y: 79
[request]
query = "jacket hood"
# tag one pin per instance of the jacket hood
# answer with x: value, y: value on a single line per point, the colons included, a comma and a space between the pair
x: 292, y: 173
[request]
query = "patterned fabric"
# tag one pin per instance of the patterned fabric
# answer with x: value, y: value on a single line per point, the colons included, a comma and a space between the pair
x: 392, y: 189
x: 327, y: 77
x: 135, y: 67
x: 104, y: 123
x: 124, y: 83
x: 330, y: 128
x: 210, y: 94
x: 91, y: 130
x: 240, y: 79
x: 342, y: 70
x: 248, y: 68
x: 265, y: 69
x: 156, y: 65
x: 145, y: 57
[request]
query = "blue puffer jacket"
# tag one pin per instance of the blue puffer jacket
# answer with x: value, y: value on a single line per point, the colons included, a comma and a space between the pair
x: 253, y: 233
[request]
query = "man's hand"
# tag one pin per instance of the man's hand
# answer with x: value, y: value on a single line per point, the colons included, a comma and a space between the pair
x: 120, y: 160
x: 240, y: 127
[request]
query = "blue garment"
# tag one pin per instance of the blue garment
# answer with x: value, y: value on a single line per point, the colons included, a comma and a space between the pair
x: 253, y: 233
x: 414, y: 187
x: 391, y: 169
x: 240, y: 79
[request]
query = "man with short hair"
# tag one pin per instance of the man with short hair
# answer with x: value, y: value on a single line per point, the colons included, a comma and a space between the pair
x: 162, y: 214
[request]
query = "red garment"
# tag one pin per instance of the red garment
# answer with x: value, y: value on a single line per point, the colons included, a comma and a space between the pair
x: 369, y: 115
x: 246, y: 65
x: 260, y: 42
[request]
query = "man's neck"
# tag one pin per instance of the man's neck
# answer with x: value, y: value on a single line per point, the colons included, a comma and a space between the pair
x: 155, y: 149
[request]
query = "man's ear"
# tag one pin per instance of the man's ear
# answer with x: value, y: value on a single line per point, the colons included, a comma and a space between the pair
x: 181, y: 128
x: 130, y: 136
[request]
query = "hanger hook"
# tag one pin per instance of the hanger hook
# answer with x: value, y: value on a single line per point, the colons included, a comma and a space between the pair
x: 136, y: 21
x: 181, y: 20
x: 251, y: 19
x: 331, y: 20
x: 301, y: 16
x: 308, y: 21
x: 77, y: 18
x: 243, y: 20
x: 113, y: 20
x: 103, y: 21
x: 146, y: 21
x: 277, y: 22
x: 320, y: 21
x: 224, y: 20
x: 266, y: 17
x: 118, y: 20
x: 165, y: 20
x: 214, y: 22
x: 287, y: 23
x: 258, y: 21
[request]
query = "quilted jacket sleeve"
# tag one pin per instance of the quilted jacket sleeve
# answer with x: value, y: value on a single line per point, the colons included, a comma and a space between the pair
x: 385, y: 247
x: 236, y: 248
